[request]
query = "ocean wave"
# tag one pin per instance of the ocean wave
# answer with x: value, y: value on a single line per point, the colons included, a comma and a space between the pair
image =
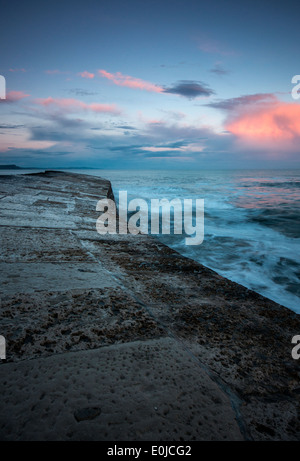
x: 251, y: 222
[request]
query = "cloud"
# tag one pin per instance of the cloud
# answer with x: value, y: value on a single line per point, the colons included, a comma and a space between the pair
x: 243, y: 101
x: 182, y: 147
x: 86, y: 74
x: 193, y: 139
x: 60, y: 128
x: 74, y: 105
x: 261, y: 121
x: 174, y: 66
x: 177, y: 132
x: 130, y: 82
x: 13, y: 96
x: 175, y: 115
x: 189, y: 89
x: 269, y: 125
x: 163, y: 140
x: 17, y: 70
x: 126, y: 127
x: 160, y: 149
x: 209, y: 45
x: 10, y: 127
x: 219, y: 69
x: 81, y: 92
x: 108, y: 146
x: 10, y: 145
x: 55, y: 72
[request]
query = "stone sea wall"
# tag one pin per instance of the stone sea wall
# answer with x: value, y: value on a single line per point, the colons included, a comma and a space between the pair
x: 147, y: 343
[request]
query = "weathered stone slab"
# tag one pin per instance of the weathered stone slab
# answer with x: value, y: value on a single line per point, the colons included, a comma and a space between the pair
x: 146, y: 390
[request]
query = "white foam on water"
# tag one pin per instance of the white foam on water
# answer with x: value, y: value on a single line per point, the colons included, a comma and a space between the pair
x: 256, y: 255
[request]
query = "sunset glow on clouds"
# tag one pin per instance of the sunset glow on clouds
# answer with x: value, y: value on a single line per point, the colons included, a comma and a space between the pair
x: 134, y: 85
x: 74, y: 105
x: 11, y: 144
x: 86, y: 74
x: 270, y: 125
x: 186, y: 88
x: 16, y: 95
x: 126, y: 80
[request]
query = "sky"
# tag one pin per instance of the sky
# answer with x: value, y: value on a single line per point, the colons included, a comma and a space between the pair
x: 150, y: 84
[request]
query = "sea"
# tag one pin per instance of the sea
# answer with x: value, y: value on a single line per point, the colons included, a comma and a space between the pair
x: 251, y: 222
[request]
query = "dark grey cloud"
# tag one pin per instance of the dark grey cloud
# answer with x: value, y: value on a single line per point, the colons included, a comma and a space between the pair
x: 233, y: 103
x: 175, y: 144
x: 18, y: 155
x: 66, y: 122
x: 126, y: 127
x: 190, y: 89
x: 165, y: 154
x: 47, y: 134
x: 81, y: 92
x: 174, y: 66
x: 219, y: 70
x: 11, y: 127
x: 59, y: 128
x: 123, y: 148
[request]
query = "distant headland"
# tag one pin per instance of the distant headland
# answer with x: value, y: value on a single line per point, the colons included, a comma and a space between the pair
x: 10, y: 167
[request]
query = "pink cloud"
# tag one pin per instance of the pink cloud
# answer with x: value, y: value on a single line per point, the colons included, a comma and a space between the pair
x: 86, y: 74
x: 208, y: 45
x: 130, y: 82
x: 17, y: 70
x: 13, y: 142
x: 155, y: 122
x: 13, y: 96
x: 55, y: 72
x: 271, y: 125
x: 74, y: 105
